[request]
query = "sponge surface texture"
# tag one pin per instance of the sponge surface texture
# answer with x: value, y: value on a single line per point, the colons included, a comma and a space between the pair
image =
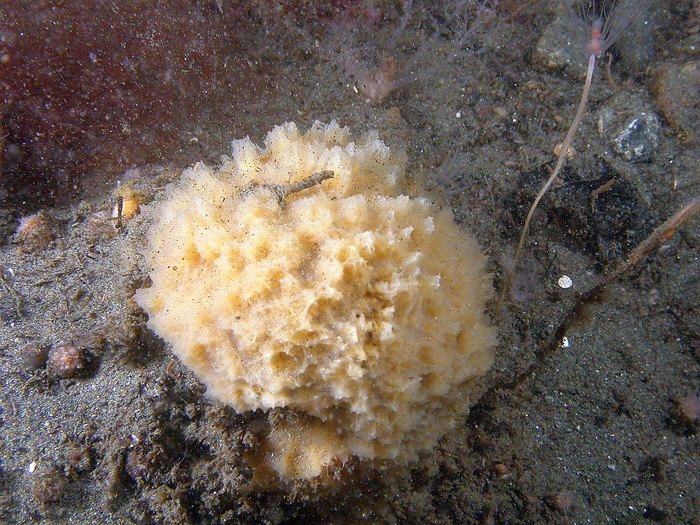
x: 357, y: 307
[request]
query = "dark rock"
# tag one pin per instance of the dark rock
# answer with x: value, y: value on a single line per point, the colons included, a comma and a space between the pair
x: 604, y: 215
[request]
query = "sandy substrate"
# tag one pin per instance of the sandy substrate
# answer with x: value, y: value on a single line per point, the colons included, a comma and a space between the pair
x: 594, y: 428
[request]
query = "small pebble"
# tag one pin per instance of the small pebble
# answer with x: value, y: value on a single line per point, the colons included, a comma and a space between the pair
x: 68, y: 360
x: 688, y: 409
x: 562, y: 501
x: 565, y: 282
x: 500, y: 469
x: 34, y: 233
x: 48, y: 484
x: 35, y: 355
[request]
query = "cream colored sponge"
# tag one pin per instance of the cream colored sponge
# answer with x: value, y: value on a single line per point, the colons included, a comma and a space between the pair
x: 358, y: 308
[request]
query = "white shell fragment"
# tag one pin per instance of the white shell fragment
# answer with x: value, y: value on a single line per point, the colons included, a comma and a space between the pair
x: 565, y: 282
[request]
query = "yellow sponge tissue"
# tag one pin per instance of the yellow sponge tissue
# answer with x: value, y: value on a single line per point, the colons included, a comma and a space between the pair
x: 357, y: 308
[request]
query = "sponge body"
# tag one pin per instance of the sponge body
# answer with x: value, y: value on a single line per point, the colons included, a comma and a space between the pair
x: 358, y: 308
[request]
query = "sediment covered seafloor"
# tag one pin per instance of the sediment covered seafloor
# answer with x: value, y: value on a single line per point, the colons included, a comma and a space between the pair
x: 100, y: 423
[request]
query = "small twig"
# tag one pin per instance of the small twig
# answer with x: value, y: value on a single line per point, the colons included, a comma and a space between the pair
x: 602, y: 189
x: 608, y: 74
x: 308, y: 182
x: 281, y: 191
x: 120, y: 210
x: 660, y: 235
